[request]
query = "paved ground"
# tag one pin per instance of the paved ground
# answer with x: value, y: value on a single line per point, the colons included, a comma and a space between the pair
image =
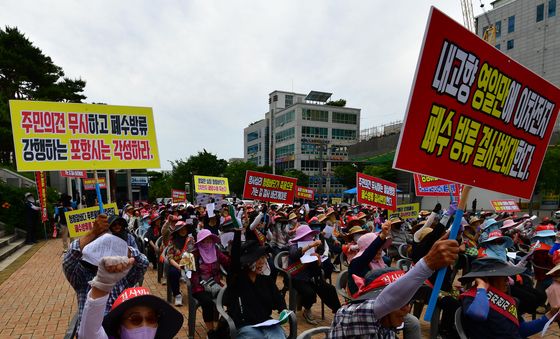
x: 36, y: 301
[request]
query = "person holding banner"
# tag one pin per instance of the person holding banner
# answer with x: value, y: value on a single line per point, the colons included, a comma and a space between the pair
x: 135, y: 314
x: 80, y: 272
x: 31, y: 217
x: 384, y: 302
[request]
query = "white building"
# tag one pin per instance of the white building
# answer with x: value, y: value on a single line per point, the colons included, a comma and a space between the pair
x: 302, y: 132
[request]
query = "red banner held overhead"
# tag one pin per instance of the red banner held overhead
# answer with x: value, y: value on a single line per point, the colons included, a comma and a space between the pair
x: 74, y: 174
x: 305, y: 193
x: 178, y: 196
x: 505, y: 206
x: 426, y: 188
x: 475, y: 116
x: 376, y: 192
x: 41, y: 181
x: 269, y: 187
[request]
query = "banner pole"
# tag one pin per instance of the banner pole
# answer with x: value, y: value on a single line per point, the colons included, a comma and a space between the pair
x: 98, y: 191
x: 452, y: 235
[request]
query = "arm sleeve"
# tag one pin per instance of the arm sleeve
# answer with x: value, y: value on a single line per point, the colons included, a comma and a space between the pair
x: 528, y: 328
x: 479, y: 307
x: 256, y: 221
x: 554, y: 248
x: 400, y: 292
x: 92, y: 318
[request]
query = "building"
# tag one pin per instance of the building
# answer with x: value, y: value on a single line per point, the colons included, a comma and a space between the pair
x: 304, y: 132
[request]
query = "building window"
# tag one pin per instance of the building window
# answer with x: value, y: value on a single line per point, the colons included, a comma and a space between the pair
x: 314, y: 132
x: 551, y: 8
x: 315, y: 115
x: 253, y: 149
x: 284, y: 165
x: 540, y: 12
x: 275, y: 98
x: 284, y: 150
x: 312, y: 165
x: 252, y: 136
x: 284, y: 118
x: 344, y: 118
x: 498, y: 46
x: 510, y: 44
x: 498, y: 29
x: 511, y: 24
x: 339, y: 150
x: 255, y: 160
x: 343, y: 134
x: 288, y: 100
x: 285, y: 134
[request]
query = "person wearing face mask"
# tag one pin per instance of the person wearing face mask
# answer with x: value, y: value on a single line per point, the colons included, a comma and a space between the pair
x: 350, y: 248
x: 135, y: 314
x: 180, y: 243
x: 207, y: 275
x: 252, y: 294
x: 488, y: 309
x: 306, y: 276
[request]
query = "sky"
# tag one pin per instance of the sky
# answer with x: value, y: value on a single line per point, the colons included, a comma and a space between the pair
x: 206, y: 67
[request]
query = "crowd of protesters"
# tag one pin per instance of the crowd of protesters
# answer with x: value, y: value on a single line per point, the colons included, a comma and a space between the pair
x: 503, y: 268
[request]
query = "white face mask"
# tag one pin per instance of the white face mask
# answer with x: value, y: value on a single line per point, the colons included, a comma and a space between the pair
x: 143, y: 332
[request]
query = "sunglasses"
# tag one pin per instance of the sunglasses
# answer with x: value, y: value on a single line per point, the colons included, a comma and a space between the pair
x: 137, y: 319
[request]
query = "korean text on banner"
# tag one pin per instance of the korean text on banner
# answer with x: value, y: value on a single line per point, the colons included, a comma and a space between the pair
x: 74, y: 174
x: 89, y: 184
x: 41, y: 181
x: 178, y: 196
x: 427, y: 181
x: 81, y: 221
x: 505, y: 206
x: 475, y: 116
x: 269, y: 187
x: 51, y: 136
x: 408, y: 211
x: 376, y: 192
x: 305, y: 193
x: 211, y: 185
x: 442, y: 190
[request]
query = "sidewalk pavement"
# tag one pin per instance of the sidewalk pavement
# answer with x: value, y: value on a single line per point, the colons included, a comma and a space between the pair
x: 37, y: 301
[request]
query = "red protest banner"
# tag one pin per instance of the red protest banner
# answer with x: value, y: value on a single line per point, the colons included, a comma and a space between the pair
x: 475, y: 116
x: 425, y: 188
x: 89, y: 184
x: 42, y: 193
x: 376, y: 192
x: 178, y: 196
x: 305, y: 193
x: 269, y: 187
x: 74, y: 174
x: 504, y: 206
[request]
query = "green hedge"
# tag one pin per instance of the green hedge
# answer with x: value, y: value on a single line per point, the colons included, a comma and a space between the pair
x: 12, y: 208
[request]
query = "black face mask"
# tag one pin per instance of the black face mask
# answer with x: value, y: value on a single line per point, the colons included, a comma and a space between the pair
x: 123, y: 234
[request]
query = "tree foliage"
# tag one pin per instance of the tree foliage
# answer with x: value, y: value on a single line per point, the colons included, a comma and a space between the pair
x: 549, y: 176
x: 303, y: 179
x: 383, y: 171
x: 235, y: 172
x: 27, y: 74
x: 204, y: 163
x: 339, y: 103
x: 347, y: 174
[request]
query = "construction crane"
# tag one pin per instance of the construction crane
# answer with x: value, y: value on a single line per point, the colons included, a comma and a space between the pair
x: 489, y: 34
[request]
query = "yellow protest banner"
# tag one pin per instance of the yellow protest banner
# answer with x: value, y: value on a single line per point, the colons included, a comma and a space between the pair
x: 211, y: 185
x: 407, y: 211
x: 52, y: 136
x: 336, y: 201
x: 81, y: 221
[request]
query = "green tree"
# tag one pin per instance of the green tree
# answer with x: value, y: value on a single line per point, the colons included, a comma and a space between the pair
x: 346, y: 173
x: 303, y: 179
x: 549, y: 176
x: 204, y: 163
x: 339, y: 103
x: 27, y: 74
x: 383, y: 171
x: 160, y: 185
x: 235, y: 172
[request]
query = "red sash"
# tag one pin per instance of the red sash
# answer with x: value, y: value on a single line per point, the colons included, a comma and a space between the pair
x: 295, y: 268
x: 260, y: 236
x: 499, y: 302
